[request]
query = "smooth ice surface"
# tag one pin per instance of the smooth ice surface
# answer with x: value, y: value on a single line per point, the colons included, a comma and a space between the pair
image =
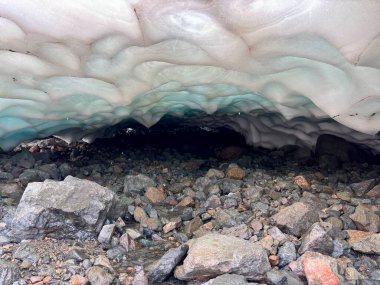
x: 280, y: 72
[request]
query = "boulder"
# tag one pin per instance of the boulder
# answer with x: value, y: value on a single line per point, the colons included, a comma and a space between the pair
x: 73, y: 208
x: 215, y: 254
x: 296, y: 218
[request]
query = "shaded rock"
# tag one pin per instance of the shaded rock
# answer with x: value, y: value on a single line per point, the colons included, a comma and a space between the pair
x: 365, y: 218
x: 106, y: 233
x: 73, y: 208
x: 9, y: 273
x: 297, y: 218
x: 192, y: 226
x: 338, y: 148
x: 282, y: 277
x: 214, y: 173
x: 317, y: 239
x: 99, y: 276
x: 33, y: 175
x: 287, y: 253
x: 166, y: 264
x: 215, y: 254
x: 10, y: 190
x: 366, y: 242
x: 136, y: 184
x: 363, y: 187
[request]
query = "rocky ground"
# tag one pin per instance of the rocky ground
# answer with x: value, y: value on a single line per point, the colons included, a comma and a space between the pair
x: 144, y: 214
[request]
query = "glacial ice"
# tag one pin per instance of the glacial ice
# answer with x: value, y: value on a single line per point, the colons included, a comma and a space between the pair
x: 279, y: 72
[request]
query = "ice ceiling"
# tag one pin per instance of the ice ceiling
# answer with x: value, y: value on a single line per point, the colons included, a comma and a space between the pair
x: 279, y: 72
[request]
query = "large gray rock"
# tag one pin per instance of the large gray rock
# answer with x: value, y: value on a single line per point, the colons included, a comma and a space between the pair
x: 73, y: 208
x: 136, y: 184
x: 296, y: 218
x: 317, y: 239
x: 166, y: 264
x: 215, y: 254
x: 9, y: 273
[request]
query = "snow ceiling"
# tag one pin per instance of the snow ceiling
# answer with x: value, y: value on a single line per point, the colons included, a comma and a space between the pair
x: 279, y: 72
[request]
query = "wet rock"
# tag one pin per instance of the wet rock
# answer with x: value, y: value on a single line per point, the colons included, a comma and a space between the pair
x: 155, y: 195
x: 215, y: 254
x: 282, y: 277
x: 99, y: 276
x: 363, y: 187
x: 106, y: 233
x: 365, y: 242
x: 287, y: 253
x: 297, y: 218
x: 317, y: 239
x: 9, y: 273
x: 366, y: 218
x: 73, y: 208
x: 136, y: 184
x: 230, y: 152
x: 166, y: 264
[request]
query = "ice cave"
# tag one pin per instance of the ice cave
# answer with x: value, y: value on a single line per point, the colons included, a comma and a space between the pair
x: 278, y: 72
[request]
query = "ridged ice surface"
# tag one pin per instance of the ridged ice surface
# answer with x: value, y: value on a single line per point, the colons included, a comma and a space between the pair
x: 280, y: 72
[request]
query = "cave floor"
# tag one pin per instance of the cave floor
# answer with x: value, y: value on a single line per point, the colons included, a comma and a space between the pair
x: 201, y: 187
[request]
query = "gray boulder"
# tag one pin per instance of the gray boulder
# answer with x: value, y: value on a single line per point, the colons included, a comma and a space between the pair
x: 73, y: 208
x: 215, y: 254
